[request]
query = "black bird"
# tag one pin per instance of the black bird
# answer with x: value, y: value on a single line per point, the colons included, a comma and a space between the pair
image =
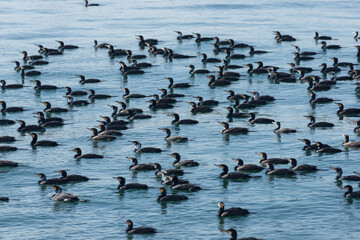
x: 198, y: 71
x: 52, y: 181
x: 323, y: 148
x: 166, y: 198
x: 317, y: 37
x: 232, y: 175
x: 233, y: 130
x: 63, y: 46
x: 73, y: 177
x: 123, y: 186
x: 183, y: 186
x: 234, y: 211
x: 265, y: 160
x: 205, y: 59
x: 91, y: 4
x: 347, y: 111
x: 79, y: 154
x: 83, y: 80
x: 177, y: 120
x: 202, y: 39
x: 40, y: 86
x: 181, y: 36
x: 325, y: 46
x: 48, y: 108
x: 99, y: 45
x: 302, y: 167
x: 5, y: 109
x: 184, y: 163
x: 139, y: 149
x: 74, y: 93
x: 28, y: 128
x: 350, y: 193
x: 240, y: 166
x: 45, y: 143
x: 139, y: 230
x: 339, y: 175
x: 139, y: 167
x: 314, y: 124
x: 278, y: 172
x: 92, y: 95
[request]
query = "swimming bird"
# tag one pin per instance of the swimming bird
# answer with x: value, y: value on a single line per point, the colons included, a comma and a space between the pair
x: 339, y: 175
x: 234, y: 211
x: 140, y: 167
x: 48, y: 108
x: 177, y: 120
x: 308, y: 146
x: 317, y: 37
x: 244, y: 105
x: 4, y: 163
x: 181, y: 36
x: 251, y: 69
x: 232, y: 114
x: 177, y: 85
x: 52, y: 181
x: 9, y: 86
x: 139, y: 230
x: 99, y: 45
x: 4, y: 122
x: 325, y: 46
x: 63, y: 46
x: 199, y: 109
x: 72, y: 177
x: 317, y: 86
x: 169, y: 53
x: 199, y: 39
x: 265, y: 160
x: 278, y: 172
x: 170, y: 138
x: 347, y: 111
x: 283, y: 38
x: 259, y: 120
x: 5, y: 109
x: 49, y: 119
x: 18, y: 66
x: 63, y: 197
x: 205, y: 59
x: 72, y: 102
x: 45, y: 143
x: 28, y: 128
x: 233, y: 234
x: 7, y: 139
x: 115, y: 52
x: 130, y: 56
x: 84, y: 80
x: 240, y: 166
x: 79, y: 154
x: 252, y: 51
x: 217, y: 82
x: 314, y: 124
x: 105, y: 129
x: 30, y: 73
x: 233, y: 130
x: 170, y: 95
x: 97, y: 136
x: 154, y: 105
x: 38, y: 62
x: 143, y: 41
x: 305, y: 53
x: 314, y: 100
x: 197, y: 71
x: 133, y: 115
x: 92, y: 95
x: 233, y: 56
x: 133, y: 95
x: 231, y: 175
x: 123, y: 186
x: 31, y: 57
x: 91, y: 4
x: 350, y: 193
x: 184, y: 163
x: 139, y: 149
x: 302, y: 167
x: 230, y: 66
x: 326, y: 148
x: 279, y: 130
x: 166, y: 198
x: 40, y: 86
x: 347, y: 143
x: 70, y: 92
x: 183, y: 186
x: 170, y: 171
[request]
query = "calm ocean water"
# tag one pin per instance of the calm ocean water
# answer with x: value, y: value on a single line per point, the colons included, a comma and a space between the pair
x: 308, y: 206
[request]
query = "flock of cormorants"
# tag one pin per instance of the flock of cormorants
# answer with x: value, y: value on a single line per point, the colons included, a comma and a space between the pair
x: 243, y: 104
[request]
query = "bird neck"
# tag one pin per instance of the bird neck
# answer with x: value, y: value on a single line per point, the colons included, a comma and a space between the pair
x: 34, y: 140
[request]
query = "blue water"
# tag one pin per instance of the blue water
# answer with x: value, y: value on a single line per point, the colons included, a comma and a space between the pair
x: 308, y: 206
